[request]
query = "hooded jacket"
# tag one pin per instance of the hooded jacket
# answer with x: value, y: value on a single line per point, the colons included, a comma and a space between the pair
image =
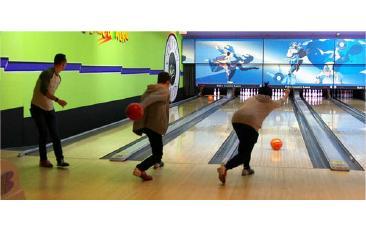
x: 255, y: 110
x: 155, y: 102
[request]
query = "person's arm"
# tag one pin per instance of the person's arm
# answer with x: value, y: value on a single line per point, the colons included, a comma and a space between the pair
x: 281, y: 101
x: 46, y: 77
x: 159, y: 96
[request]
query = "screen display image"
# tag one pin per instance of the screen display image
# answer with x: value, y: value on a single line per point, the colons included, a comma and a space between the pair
x: 297, y: 62
x: 350, y: 51
x: 350, y: 75
x: 243, y: 75
x: 247, y: 51
x: 308, y: 75
x: 229, y: 61
x: 188, y: 51
x: 297, y: 52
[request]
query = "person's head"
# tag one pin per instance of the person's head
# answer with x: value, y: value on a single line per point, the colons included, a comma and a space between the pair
x: 164, y: 79
x: 228, y: 53
x: 60, y: 62
x: 265, y: 90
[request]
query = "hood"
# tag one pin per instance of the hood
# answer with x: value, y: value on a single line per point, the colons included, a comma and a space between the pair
x: 155, y: 87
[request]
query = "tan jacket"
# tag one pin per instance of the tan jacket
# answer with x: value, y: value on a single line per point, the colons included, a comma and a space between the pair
x: 155, y: 101
x: 255, y: 110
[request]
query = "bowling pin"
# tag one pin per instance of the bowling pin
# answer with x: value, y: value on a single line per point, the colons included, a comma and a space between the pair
x: 215, y: 92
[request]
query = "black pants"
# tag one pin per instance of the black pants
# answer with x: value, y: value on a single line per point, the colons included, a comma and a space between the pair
x: 156, y: 143
x: 248, y: 136
x: 46, y: 122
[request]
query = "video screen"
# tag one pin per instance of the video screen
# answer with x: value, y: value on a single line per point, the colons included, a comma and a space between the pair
x: 281, y: 62
x: 298, y: 51
x: 246, y: 51
x: 232, y: 74
x: 350, y: 75
x: 306, y: 75
x: 350, y: 51
x: 188, y: 51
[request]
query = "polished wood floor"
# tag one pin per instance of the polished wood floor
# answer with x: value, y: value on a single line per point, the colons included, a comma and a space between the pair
x: 102, y: 179
x: 285, y: 174
x: 350, y: 131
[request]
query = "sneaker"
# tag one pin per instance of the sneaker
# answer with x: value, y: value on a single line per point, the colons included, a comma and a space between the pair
x: 45, y: 164
x: 62, y: 163
x: 159, y: 165
x: 142, y: 175
x: 247, y: 172
x: 222, y: 173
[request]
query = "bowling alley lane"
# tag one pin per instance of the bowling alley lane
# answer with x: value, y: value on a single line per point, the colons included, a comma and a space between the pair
x: 201, y: 142
x: 100, y: 144
x: 350, y: 131
x: 282, y: 124
x: 356, y: 103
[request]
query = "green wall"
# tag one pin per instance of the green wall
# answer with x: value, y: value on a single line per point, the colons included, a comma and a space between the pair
x: 143, y: 49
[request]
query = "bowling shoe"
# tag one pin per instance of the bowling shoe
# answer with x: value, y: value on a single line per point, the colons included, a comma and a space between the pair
x: 45, y: 164
x: 222, y: 173
x: 246, y: 172
x: 159, y: 165
x: 142, y: 175
x: 62, y: 163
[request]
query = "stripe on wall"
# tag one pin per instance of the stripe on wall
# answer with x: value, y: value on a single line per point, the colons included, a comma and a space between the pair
x: 24, y: 66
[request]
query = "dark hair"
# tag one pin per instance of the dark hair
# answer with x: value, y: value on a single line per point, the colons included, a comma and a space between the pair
x: 265, y: 90
x: 163, y: 77
x: 228, y: 53
x: 59, y: 59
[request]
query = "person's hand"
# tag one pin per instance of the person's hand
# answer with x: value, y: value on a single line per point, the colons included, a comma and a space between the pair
x: 62, y: 103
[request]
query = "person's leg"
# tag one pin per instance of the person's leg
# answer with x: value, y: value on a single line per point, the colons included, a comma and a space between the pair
x: 52, y: 125
x: 244, y: 139
x: 247, y: 138
x: 157, y: 150
x: 39, y: 118
x: 156, y: 143
x: 247, y: 151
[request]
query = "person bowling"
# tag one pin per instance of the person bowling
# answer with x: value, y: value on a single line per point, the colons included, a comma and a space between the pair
x: 246, y: 123
x: 154, y: 123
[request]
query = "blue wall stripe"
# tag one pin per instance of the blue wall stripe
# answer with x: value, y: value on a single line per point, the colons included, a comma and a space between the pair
x: 3, y: 62
x: 27, y: 66
x: 40, y: 66
x: 73, y: 67
x: 155, y: 72
x: 100, y: 69
x: 135, y: 70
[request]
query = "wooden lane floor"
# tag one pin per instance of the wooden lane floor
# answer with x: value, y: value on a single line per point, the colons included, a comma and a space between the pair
x: 191, y: 177
x: 102, y: 179
x: 356, y: 103
x: 281, y: 123
x: 350, y: 131
x: 200, y: 142
x: 100, y: 144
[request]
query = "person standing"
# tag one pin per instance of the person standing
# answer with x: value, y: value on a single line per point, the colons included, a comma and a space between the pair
x: 43, y: 112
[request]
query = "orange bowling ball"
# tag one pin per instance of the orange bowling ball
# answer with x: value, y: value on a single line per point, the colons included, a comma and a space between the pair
x: 276, y: 144
x: 210, y: 98
x: 135, y: 111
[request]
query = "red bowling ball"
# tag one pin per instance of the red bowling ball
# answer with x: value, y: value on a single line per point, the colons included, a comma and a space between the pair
x: 135, y: 111
x: 276, y: 144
